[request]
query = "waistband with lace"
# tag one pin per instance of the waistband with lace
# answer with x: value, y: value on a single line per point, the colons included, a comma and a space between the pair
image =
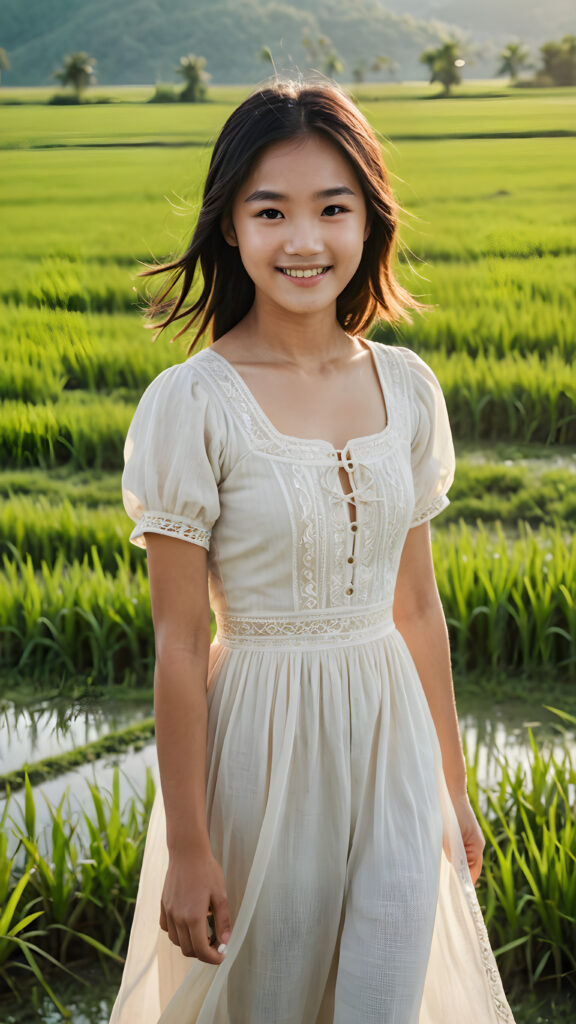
x: 312, y: 629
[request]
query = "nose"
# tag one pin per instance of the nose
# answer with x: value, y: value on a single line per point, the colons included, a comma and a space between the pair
x: 303, y: 238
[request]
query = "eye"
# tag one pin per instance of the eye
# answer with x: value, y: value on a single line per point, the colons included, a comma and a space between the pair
x: 270, y: 214
x: 333, y: 209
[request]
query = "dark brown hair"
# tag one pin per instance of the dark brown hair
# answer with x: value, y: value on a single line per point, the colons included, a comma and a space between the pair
x: 277, y: 113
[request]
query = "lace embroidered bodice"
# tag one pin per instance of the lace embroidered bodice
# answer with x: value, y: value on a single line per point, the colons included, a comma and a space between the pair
x: 204, y: 463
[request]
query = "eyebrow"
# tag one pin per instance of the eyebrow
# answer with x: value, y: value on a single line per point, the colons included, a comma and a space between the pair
x: 261, y: 195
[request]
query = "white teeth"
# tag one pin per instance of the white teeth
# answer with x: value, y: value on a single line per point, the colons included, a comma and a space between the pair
x: 305, y: 273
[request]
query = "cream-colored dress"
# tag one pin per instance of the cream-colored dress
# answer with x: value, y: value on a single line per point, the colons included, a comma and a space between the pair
x: 346, y: 874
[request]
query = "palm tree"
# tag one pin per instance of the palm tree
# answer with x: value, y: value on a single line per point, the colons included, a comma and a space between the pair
x: 5, y: 64
x: 444, y: 64
x: 514, y: 57
x: 384, y: 64
x: 77, y: 71
x: 359, y: 71
x: 316, y: 47
x: 332, y: 65
x: 196, y: 78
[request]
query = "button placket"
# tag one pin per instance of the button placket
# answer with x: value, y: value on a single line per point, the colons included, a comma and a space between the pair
x: 347, y: 462
x: 343, y: 459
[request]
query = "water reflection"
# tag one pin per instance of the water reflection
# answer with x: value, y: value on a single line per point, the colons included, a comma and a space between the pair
x: 491, y: 732
x: 46, y: 728
x: 488, y: 731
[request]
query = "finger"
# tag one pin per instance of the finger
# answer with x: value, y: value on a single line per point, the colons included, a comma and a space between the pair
x: 185, y: 940
x: 172, y: 932
x: 476, y: 869
x: 222, y: 919
x: 163, y: 918
x: 201, y: 944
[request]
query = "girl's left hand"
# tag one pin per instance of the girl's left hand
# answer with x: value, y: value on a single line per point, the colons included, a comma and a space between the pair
x: 472, y: 835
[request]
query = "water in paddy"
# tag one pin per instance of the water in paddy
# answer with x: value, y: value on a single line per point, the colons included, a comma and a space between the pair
x: 47, y: 728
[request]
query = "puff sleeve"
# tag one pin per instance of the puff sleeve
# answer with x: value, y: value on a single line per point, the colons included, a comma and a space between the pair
x: 172, y: 459
x: 432, y: 448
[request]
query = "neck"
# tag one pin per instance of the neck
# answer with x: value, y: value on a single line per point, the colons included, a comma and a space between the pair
x: 308, y: 340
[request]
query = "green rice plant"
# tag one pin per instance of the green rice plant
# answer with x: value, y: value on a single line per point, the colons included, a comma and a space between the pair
x: 64, y: 283
x: 50, y: 350
x: 83, y: 431
x: 494, y: 307
x: 86, y: 886
x: 508, y: 602
x: 527, y: 889
x: 88, y: 488
x: 110, y: 205
x: 70, y: 282
x: 16, y: 920
x: 76, y: 619
x: 395, y: 109
x: 512, y: 493
x: 16, y: 934
x: 50, y: 514
x: 528, y: 884
x: 511, y: 196
x: 517, y: 397
x: 52, y: 880
x: 110, y: 872
x: 514, y: 399
x: 483, y: 198
x: 96, y: 893
x: 46, y: 530
x: 44, y: 346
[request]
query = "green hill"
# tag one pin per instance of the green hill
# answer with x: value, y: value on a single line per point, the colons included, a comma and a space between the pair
x: 141, y: 41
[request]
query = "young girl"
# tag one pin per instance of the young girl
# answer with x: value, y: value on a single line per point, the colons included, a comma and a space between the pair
x: 313, y: 798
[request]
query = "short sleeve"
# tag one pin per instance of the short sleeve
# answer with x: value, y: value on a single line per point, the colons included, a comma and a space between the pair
x: 432, y: 448
x: 171, y: 460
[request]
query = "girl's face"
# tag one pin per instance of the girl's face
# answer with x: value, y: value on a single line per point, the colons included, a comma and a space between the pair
x: 300, y: 222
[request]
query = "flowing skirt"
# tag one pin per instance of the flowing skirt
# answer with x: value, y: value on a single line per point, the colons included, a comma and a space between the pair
x: 350, y: 896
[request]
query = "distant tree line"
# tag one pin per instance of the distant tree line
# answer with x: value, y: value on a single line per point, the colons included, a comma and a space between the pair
x: 558, y: 62
x: 445, y: 63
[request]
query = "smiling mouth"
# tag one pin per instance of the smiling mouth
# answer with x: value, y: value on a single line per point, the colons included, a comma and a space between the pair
x: 309, y: 272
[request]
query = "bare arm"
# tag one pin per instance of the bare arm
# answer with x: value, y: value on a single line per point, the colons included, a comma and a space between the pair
x: 419, y: 617
x: 181, y: 617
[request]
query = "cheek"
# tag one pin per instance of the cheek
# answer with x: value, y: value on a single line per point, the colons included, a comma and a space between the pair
x: 351, y: 246
x: 353, y: 234
x: 254, y: 244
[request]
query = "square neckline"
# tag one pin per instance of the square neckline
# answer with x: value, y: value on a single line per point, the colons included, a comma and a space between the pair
x: 317, y: 440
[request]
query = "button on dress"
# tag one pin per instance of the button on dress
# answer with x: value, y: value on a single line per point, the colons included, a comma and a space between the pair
x: 350, y: 896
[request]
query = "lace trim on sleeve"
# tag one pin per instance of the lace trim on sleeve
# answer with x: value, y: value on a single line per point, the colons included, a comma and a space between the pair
x: 438, y: 505
x: 171, y: 526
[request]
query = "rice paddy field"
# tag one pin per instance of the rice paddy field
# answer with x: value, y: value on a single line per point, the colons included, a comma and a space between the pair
x: 488, y: 238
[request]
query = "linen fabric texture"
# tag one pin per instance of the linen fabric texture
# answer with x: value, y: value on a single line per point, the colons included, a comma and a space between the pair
x: 327, y: 806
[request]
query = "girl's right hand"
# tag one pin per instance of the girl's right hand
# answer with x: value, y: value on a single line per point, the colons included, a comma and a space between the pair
x: 194, y: 886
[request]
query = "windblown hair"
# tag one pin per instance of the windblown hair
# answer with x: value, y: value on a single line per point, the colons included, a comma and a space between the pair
x: 277, y: 113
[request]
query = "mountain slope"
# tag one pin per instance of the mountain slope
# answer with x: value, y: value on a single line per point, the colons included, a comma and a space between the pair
x: 142, y: 40
x: 530, y: 20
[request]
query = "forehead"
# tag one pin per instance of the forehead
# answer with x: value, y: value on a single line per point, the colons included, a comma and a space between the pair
x: 301, y: 165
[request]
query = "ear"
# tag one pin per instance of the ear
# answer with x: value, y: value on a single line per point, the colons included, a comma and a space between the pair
x: 367, y: 230
x: 227, y: 229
